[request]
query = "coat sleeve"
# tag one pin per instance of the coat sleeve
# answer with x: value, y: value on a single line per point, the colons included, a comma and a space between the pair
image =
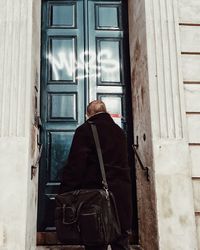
x: 77, y: 162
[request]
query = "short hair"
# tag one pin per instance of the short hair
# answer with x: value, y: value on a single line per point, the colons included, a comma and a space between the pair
x: 95, y: 107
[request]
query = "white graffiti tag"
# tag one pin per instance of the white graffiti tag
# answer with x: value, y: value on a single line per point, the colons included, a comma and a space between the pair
x: 88, y: 62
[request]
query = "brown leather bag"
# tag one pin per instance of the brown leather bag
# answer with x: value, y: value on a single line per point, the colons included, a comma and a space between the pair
x: 88, y: 217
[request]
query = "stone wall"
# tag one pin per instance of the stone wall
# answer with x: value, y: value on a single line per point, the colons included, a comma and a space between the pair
x: 189, y: 27
x: 32, y: 180
x: 142, y: 126
x: 159, y: 114
x: 19, y: 50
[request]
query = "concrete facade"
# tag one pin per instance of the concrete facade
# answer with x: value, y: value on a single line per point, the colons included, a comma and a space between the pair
x: 148, y: 236
x: 159, y: 114
x: 164, y: 49
x: 189, y: 28
x: 19, y: 67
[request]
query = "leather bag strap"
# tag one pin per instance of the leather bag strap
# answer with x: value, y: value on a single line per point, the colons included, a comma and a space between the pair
x: 99, y: 153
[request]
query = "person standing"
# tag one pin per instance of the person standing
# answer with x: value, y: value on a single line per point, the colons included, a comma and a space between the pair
x: 82, y: 170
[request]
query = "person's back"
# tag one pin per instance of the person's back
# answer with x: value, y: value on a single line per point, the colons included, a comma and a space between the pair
x: 82, y: 170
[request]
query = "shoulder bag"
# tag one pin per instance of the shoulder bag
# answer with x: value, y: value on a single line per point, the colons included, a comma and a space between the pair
x: 88, y: 216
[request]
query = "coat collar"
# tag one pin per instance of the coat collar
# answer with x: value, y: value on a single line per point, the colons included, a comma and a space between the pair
x: 100, y: 116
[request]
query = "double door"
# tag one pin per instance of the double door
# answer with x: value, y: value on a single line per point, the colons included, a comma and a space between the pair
x: 84, y: 57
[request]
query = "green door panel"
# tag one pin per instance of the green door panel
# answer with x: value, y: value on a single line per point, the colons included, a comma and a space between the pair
x: 107, y: 81
x: 83, y: 58
x: 62, y: 96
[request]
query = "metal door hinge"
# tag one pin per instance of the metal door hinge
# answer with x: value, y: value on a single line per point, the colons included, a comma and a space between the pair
x: 35, y: 166
x: 38, y: 122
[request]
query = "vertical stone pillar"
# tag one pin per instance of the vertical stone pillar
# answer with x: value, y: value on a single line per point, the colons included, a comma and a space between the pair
x: 160, y: 123
x: 146, y: 200
x: 175, y: 206
x: 17, y: 79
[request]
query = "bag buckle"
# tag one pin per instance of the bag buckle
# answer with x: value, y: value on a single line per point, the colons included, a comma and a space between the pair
x: 107, y: 193
x: 69, y: 215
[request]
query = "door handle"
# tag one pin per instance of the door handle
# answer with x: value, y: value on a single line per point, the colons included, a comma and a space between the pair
x: 145, y: 169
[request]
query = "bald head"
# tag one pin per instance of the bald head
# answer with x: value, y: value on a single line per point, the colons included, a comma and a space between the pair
x: 95, y: 107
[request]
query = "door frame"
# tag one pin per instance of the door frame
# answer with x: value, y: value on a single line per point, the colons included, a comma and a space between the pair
x: 46, y: 238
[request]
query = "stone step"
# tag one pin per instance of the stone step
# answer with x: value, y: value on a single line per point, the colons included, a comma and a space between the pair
x: 60, y: 247
x: 64, y: 247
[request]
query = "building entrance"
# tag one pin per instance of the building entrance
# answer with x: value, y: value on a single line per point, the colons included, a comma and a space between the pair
x: 84, y: 57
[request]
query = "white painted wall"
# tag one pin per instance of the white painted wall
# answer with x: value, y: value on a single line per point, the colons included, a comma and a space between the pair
x: 18, y: 65
x: 172, y: 162
x: 13, y: 208
x: 189, y: 19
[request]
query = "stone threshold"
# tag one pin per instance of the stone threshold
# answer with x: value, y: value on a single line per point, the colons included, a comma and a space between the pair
x: 68, y: 247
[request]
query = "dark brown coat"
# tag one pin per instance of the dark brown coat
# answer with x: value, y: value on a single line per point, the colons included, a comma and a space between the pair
x: 82, y: 169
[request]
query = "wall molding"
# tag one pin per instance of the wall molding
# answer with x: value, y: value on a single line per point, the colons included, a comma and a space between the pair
x: 167, y: 70
x: 15, y: 65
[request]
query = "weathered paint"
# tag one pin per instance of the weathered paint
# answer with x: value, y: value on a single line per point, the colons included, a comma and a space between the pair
x: 142, y: 125
x: 159, y: 80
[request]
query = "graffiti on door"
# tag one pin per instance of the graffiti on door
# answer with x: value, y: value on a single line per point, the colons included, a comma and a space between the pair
x: 98, y: 64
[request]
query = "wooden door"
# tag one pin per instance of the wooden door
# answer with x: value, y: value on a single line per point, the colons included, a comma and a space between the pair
x: 84, y: 57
